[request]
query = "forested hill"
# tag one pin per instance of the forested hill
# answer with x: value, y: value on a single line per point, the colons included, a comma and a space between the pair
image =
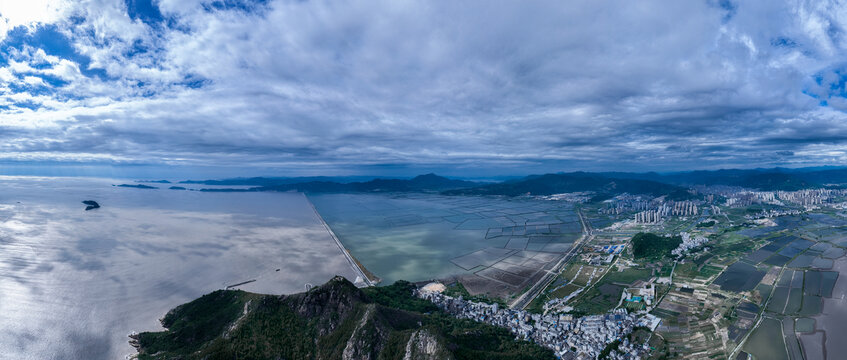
x: 761, y: 179
x: 674, y: 184
x: 576, y: 182
x: 421, y: 183
x: 332, y: 321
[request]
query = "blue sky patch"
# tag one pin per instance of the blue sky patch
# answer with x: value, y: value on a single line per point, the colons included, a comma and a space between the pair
x: 53, y: 42
x: 249, y: 6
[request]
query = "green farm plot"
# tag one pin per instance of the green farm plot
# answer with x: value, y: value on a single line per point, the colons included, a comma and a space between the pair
x: 665, y: 313
x: 634, y: 306
x: 734, y: 238
x: 666, y: 269
x: 569, y: 272
x: 599, y: 299
x: 692, y: 270
x: 700, y: 260
x: 457, y: 289
x: 585, y: 275
x: 686, y: 270
x: 627, y: 276
x: 734, y: 242
x: 564, y: 291
x: 708, y: 271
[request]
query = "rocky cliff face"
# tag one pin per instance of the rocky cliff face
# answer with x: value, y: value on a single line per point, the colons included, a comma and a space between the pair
x: 368, y: 337
x: 328, y: 305
x: 423, y: 345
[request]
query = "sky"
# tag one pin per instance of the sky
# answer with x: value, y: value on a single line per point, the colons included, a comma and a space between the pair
x: 470, y: 88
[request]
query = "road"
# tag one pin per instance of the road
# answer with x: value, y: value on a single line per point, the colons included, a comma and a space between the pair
x: 526, y: 298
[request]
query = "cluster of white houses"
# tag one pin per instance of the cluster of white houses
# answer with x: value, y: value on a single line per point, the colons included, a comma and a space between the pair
x: 569, y: 337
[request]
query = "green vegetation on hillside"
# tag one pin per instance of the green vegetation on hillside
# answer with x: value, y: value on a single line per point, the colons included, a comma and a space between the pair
x: 652, y: 246
x: 457, y: 289
x: 612, y: 346
x: 399, y: 296
x: 324, y: 323
x: 574, y: 182
x: 706, y: 224
x: 627, y: 276
x: 428, y: 182
x: 210, y: 315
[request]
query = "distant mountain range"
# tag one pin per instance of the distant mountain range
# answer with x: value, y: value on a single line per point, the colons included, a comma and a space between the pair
x: 274, y: 181
x: 333, y: 321
x: 675, y: 185
x: 576, y: 182
x: 672, y: 184
x: 762, y: 179
x: 422, y: 183
x: 428, y: 182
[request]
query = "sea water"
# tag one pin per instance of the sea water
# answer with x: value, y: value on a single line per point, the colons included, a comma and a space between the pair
x: 75, y: 283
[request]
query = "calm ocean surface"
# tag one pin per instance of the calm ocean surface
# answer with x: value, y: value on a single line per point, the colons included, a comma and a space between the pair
x: 75, y: 283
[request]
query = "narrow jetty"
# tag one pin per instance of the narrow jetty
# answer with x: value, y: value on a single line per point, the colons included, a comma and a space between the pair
x: 360, y: 272
x: 239, y: 284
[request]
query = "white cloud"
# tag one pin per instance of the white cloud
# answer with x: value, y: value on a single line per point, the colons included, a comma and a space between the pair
x: 65, y: 70
x: 34, y: 81
x: 6, y: 76
x: 334, y: 82
x: 30, y: 13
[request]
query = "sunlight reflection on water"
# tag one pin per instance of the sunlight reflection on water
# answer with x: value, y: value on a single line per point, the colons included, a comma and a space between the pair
x: 75, y: 283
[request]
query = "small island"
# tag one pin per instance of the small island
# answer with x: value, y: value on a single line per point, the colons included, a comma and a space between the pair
x: 137, y: 186
x: 177, y: 188
x: 91, y: 205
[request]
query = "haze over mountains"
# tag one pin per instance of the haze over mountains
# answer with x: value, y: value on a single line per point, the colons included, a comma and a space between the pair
x: 673, y: 184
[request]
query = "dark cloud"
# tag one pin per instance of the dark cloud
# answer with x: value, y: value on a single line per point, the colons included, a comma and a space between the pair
x: 466, y: 85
